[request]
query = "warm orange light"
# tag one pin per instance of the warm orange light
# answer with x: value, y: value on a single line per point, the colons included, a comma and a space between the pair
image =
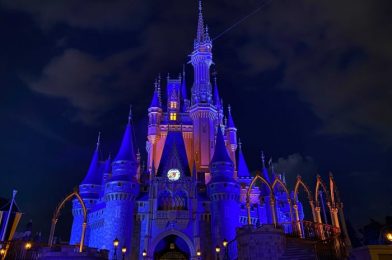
x: 388, y: 236
x: 144, y: 252
x: 173, y: 116
x: 198, y: 253
x: 225, y: 242
x: 217, y: 249
x: 173, y: 104
x: 2, y: 251
x: 28, y: 245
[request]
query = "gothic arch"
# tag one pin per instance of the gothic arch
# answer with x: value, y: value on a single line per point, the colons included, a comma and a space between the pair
x: 299, y: 183
x: 272, y: 197
x: 162, y: 235
x: 320, y: 183
x: 56, y: 215
x: 334, y: 193
x: 279, y: 182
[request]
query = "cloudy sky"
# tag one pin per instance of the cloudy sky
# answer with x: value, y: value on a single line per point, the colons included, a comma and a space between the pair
x: 309, y: 83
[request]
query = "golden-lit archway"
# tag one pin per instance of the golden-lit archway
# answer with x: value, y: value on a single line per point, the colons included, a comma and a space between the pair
x: 57, y: 214
x: 272, y: 197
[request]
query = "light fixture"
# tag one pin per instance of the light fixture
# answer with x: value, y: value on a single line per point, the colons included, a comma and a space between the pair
x: 115, y: 243
x: 388, y: 236
x: 123, y: 249
x: 198, y: 253
x: 217, y: 249
x: 2, y: 251
x: 28, y: 246
x: 225, y: 242
x: 144, y: 253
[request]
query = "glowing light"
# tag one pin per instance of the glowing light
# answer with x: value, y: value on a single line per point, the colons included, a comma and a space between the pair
x: 124, y: 250
x: 198, y: 253
x: 217, y: 249
x: 225, y: 242
x: 144, y: 252
x: 2, y: 251
x: 115, y: 243
x: 173, y: 116
x: 388, y: 236
x: 173, y: 104
x: 28, y: 246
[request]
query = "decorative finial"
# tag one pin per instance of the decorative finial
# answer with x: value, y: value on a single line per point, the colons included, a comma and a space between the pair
x: 183, y: 70
x: 263, y: 158
x: 225, y: 121
x: 168, y: 75
x: 99, y: 139
x: 200, y: 7
x: 130, y: 114
x: 229, y: 109
x: 239, y: 144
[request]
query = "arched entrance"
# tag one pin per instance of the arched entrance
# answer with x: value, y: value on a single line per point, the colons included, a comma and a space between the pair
x: 172, y: 247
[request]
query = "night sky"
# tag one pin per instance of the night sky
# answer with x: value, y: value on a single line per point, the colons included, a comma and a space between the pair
x: 309, y: 83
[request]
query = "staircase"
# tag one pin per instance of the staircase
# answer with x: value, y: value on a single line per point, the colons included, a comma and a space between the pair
x: 298, y: 249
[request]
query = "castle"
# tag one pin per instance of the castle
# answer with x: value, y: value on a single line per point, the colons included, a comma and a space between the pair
x: 195, y: 190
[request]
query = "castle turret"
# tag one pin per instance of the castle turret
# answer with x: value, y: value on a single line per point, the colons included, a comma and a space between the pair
x: 231, y: 135
x: 224, y: 193
x: 89, y: 190
x: 243, y: 172
x: 120, y: 193
x: 154, y: 122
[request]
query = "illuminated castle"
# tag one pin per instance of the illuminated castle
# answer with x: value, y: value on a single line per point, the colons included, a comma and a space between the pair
x: 192, y: 194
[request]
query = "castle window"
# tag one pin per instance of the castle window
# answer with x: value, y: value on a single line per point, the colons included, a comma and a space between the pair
x: 173, y: 105
x: 173, y: 116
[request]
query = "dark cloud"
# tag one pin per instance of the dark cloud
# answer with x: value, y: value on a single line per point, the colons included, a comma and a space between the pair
x: 89, y: 14
x: 294, y: 165
x: 90, y: 84
x: 336, y: 56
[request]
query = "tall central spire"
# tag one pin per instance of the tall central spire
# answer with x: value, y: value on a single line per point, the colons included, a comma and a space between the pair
x: 200, y: 25
x: 201, y: 59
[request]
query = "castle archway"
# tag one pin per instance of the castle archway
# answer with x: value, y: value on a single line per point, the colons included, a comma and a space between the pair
x: 172, y: 245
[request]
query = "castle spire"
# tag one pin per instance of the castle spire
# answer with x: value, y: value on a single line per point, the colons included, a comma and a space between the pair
x: 220, y: 153
x: 230, y: 121
x: 217, y: 99
x: 200, y: 25
x: 127, y: 150
x: 155, y: 98
x: 243, y: 170
x: 93, y: 175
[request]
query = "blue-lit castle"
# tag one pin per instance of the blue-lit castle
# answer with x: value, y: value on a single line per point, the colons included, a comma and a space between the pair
x: 195, y: 191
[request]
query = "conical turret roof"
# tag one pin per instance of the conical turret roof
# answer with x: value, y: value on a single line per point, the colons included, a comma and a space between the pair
x: 230, y: 121
x: 94, y: 173
x: 220, y: 153
x: 127, y: 150
x: 243, y: 170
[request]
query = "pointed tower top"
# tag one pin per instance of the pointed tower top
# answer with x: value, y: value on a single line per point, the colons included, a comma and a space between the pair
x: 155, y: 97
x: 98, y: 140
x: 220, y: 153
x: 217, y: 99
x: 183, y: 84
x: 127, y: 150
x: 230, y: 118
x: 108, y: 164
x: 243, y: 170
x: 263, y: 159
x: 94, y: 175
x: 200, y: 25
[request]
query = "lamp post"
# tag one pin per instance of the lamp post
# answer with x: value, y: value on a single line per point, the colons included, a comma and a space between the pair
x: 115, y: 244
x: 217, y: 250
x: 144, y: 254
x: 226, y: 255
x: 385, y: 236
x: 123, y: 251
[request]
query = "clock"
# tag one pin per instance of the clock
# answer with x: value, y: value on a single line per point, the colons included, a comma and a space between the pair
x: 173, y: 174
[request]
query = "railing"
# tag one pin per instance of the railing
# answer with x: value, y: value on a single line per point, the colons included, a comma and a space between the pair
x: 309, y: 230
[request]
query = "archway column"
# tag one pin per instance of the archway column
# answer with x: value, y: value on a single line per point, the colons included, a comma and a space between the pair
x: 273, y: 211
x: 297, y: 221
x: 319, y: 224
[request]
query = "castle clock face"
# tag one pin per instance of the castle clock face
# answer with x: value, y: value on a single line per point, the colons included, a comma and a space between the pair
x: 173, y: 174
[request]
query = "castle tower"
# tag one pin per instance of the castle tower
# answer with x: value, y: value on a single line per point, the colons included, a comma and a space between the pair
x: 224, y: 193
x: 120, y: 193
x: 202, y: 111
x: 89, y: 190
x: 154, y: 128
x: 231, y: 135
